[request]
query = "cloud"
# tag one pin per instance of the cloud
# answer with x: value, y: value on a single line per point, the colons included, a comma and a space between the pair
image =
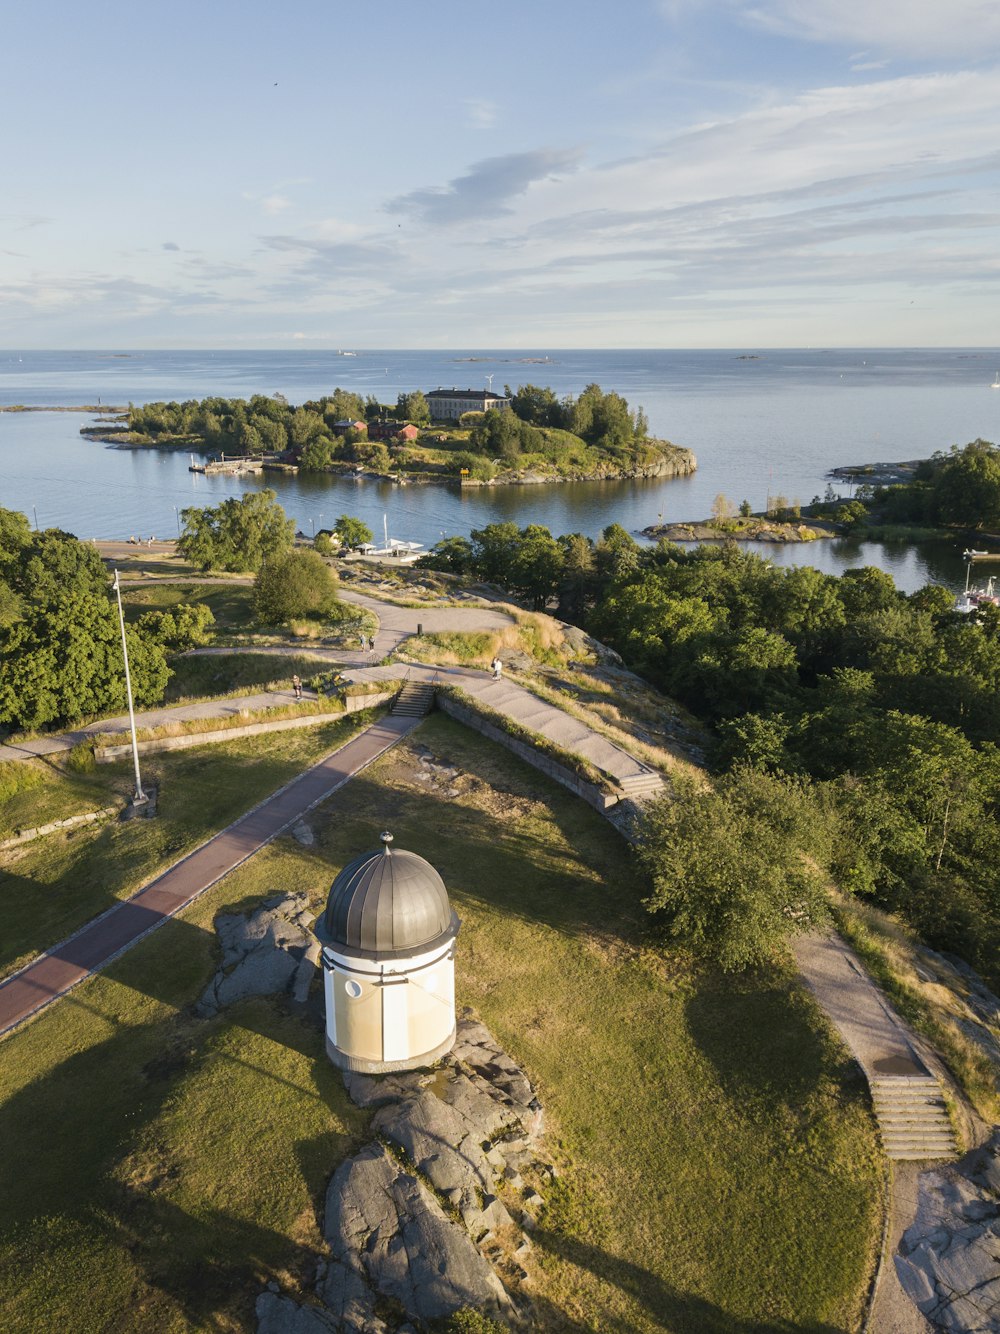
x: 907, y: 27
x: 23, y: 222
x: 482, y: 112
x: 275, y: 203
x: 487, y: 187
x: 170, y: 245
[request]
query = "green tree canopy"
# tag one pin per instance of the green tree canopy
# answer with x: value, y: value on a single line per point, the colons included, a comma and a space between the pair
x: 294, y: 585
x: 352, y: 532
x: 63, y: 662
x: 732, y: 866
x: 239, y: 535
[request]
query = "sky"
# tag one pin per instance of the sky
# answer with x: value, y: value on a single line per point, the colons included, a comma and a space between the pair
x: 552, y: 174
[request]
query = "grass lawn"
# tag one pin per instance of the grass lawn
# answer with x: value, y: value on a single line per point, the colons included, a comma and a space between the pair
x: 38, y: 791
x: 51, y: 887
x: 718, y: 1163
x: 233, y: 673
x: 231, y: 604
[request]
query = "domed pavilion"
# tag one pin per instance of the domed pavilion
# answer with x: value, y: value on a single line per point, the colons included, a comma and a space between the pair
x: 388, y: 937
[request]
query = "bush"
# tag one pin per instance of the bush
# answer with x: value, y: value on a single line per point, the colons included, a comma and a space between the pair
x: 732, y: 866
x: 299, y: 584
x: 17, y: 776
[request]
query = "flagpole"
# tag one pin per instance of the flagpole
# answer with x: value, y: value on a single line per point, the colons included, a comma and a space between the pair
x: 140, y: 796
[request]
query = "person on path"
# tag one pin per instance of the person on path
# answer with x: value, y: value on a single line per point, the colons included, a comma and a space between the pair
x: 371, y: 644
x: 497, y: 666
x: 297, y: 686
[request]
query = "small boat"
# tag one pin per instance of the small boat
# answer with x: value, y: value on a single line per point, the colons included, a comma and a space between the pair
x: 996, y: 382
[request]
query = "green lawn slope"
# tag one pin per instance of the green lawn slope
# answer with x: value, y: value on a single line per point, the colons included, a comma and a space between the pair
x: 718, y: 1164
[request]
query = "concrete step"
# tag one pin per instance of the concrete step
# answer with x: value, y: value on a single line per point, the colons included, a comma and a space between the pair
x: 640, y: 786
x: 414, y: 700
x: 912, y: 1117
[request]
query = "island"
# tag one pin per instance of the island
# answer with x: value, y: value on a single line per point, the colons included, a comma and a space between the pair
x: 470, y: 437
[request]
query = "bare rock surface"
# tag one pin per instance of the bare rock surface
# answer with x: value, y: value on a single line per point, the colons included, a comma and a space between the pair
x: 415, y: 1222
x: 948, y: 1261
x: 385, y: 1226
x: 270, y: 950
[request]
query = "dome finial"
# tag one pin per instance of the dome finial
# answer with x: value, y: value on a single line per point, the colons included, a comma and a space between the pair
x: 386, y: 838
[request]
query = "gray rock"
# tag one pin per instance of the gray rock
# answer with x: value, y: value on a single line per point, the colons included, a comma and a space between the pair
x: 947, y: 1259
x: 381, y: 1090
x: 442, y: 1144
x: 385, y: 1226
x: 280, y: 1315
x: 303, y: 834
x: 261, y: 953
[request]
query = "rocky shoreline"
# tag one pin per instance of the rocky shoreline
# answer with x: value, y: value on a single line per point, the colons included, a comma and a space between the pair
x: 753, y: 530
x: 877, y: 474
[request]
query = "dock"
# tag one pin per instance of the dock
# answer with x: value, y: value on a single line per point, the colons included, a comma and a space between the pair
x: 235, y: 467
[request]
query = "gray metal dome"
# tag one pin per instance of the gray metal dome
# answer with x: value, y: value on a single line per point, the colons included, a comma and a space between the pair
x: 385, y: 904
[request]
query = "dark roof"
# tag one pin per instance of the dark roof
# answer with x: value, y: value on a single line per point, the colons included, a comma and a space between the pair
x: 463, y: 393
x: 387, y: 903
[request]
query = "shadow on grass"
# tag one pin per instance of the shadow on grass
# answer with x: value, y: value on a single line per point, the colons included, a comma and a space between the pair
x: 666, y: 1304
x: 764, y: 1046
x: 510, y: 868
x: 85, y: 1152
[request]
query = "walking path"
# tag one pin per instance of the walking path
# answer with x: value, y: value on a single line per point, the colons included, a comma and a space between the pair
x: 54, y: 973
x: 908, y: 1102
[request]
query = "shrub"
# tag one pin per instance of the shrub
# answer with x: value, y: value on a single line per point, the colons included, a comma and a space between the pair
x: 17, y: 776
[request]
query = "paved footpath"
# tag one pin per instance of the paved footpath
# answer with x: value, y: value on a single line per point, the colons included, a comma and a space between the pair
x: 54, y: 973
x: 395, y: 625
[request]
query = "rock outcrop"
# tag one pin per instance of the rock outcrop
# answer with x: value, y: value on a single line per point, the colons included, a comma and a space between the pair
x: 270, y: 950
x: 948, y: 1261
x: 415, y: 1222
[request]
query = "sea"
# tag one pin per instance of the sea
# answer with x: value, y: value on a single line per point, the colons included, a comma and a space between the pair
x: 762, y: 422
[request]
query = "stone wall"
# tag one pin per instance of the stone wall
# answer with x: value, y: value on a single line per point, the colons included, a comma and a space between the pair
x: 592, y: 794
x: 352, y: 704
x: 26, y: 835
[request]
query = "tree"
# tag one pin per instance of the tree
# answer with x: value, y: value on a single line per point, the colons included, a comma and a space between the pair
x: 187, y: 626
x: 413, y: 408
x: 452, y: 554
x: 731, y: 866
x: 63, y: 662
x: 967, y: 487
x: 294, y: 585
x: 537, y: 565
x: 538, y: 407
x: 577, y: 581
x: 352, y: 532
x: 493, y: 550
x: 722, y: 509
x: 240, y: 534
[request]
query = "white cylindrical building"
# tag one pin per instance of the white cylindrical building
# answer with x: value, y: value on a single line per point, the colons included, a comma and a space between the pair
x: 388, y: 937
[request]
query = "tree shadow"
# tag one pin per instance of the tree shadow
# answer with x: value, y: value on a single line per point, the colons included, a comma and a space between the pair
x: 82, y: 1169
x: 681, y: 1311
x: 762, y: 1040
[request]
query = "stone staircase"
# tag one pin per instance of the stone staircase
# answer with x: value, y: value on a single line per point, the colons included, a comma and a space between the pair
x: 912, y: 1117
x: 415, y: 700
x: 641, y: 787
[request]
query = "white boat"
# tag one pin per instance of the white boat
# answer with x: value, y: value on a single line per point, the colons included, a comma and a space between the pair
x: 996, y: 382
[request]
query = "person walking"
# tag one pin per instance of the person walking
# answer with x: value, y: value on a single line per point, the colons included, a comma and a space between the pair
x: 497, y: 666
x: 371, y: 644
x: 297, y: 686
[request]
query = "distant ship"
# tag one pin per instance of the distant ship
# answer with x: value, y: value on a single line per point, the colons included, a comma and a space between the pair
x: 996, y: 382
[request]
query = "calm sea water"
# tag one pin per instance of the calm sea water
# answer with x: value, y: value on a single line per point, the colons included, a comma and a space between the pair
x: 762, y: 424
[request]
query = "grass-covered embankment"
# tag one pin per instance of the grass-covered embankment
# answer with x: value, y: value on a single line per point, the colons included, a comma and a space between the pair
x: 718, y: 1163
x: 54, y: 886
